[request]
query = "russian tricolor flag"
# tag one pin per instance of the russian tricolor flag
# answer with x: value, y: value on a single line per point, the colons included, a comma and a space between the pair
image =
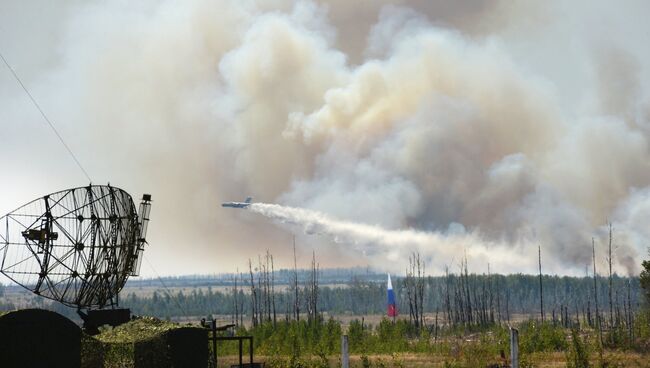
x: 392, y: 308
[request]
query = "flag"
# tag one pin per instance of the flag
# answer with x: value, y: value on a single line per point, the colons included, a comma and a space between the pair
x: 392, y: 308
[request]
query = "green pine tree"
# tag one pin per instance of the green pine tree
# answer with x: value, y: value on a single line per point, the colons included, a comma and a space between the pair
x: 644, y: 280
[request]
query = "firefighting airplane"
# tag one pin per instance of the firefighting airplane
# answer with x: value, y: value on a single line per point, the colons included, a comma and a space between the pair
x: 244, y: 204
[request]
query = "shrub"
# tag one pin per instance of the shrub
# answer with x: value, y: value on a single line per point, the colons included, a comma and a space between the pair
x: 578, y: 353
x: 537, y: 336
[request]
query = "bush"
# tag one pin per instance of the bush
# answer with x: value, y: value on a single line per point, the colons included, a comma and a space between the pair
x: 537, y: 336
x: 149, y: 342
x: 357, y: 335
x: 578, y: 353
x: 644, y: 281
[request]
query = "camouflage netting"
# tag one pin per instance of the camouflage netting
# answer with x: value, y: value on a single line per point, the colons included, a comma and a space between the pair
x: 147, y: 342
x: 39, y: 338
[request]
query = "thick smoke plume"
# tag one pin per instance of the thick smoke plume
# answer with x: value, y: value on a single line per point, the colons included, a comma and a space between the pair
x: 486, y: 127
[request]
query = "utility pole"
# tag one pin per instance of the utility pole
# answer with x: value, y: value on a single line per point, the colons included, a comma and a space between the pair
x: 514, y: 348
x: 345, y: 357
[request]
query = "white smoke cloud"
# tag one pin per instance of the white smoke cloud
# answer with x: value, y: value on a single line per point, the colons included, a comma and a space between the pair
x: 393, y: 246
x: 484, y: 127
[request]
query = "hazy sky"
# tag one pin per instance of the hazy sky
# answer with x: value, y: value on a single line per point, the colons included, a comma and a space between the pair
x: 509, y: 124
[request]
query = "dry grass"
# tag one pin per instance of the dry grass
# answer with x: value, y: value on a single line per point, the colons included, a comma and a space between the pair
x: 540, y: 360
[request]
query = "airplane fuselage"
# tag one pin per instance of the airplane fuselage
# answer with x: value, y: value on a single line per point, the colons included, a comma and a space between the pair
x: 235, y: 204
x: 244, y: 204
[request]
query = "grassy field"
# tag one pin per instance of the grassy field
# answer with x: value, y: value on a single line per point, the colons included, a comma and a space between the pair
x: 293, y: 344
x: 390, y: 344
x: 410, y: 360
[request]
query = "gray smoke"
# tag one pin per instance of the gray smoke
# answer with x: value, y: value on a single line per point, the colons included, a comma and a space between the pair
x: 481, y: 126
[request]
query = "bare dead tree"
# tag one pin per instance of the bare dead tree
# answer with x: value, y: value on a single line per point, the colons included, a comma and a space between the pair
x: 609, y: 262
x: 316, y: 291
x: 468, y: 301
x: 567, y: 317
x: 241, y: 300
x: 459, y: 298
x: 498, y: 297
x: 508, y: 305
x: 273, y: 291
x: 235, y: 297
x: 421, y: 284
x: 316, y: 286
x: 447, y: 298
x: 261, y: 277
x: 260, y: 287
x: 541, y: 290
x: 267, y: 280
x: 409, y: 291
x: 414, y: 283
x: 296, y: 300
x: 617, y: 314
x: 253, y: 294
x: 312, y: 291
x: 435, y: 334
x: 630, y: 318
x: 598, y: 326
x: 477, y: 317
x: 491, y: 305
x: 462, y: 302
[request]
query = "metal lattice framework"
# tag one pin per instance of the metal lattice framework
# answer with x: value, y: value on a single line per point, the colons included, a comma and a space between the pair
x: 76, y: 246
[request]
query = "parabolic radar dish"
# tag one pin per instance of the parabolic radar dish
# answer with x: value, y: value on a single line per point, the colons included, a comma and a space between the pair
x: 76, y: 246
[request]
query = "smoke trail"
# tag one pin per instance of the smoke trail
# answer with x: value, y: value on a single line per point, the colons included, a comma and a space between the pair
x: 391, y: 248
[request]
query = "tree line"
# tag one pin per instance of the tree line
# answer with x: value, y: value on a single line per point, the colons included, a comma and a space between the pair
x: 460, y: 298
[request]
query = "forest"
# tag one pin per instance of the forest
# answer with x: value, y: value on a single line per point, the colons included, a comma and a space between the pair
x: 512, y: 294
x: 297, y: 317
x: 266, y: 294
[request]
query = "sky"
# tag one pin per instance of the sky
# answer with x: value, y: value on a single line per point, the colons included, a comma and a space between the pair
x: 468, y: 128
